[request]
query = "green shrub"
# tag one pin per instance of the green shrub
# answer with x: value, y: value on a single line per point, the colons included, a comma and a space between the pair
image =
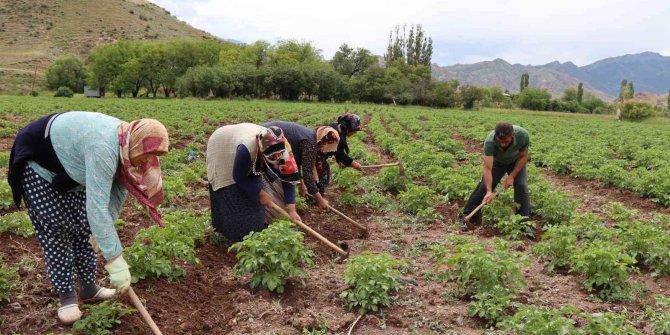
x: 534, y: 99
x: 155, y: 250
x: 9, y: 278
x: 17, y: 223
x: 608, y: 324
x: 531, y: 320
x: 102, y: 318
x: 636, y: 110
x: 272, y: 256
x: 605, y: 267
x: 64, y: 92
x: 370, y: 278
x: 66, y: 71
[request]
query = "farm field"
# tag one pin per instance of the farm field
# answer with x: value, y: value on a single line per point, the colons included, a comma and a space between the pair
x: 594, y: 259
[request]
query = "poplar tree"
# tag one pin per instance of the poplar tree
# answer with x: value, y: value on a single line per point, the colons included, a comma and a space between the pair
x: 524, y: 81
x: 580, y: 93
x: 412, y: 49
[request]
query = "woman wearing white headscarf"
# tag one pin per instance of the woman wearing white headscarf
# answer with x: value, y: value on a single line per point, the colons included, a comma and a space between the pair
x: 243, y: 161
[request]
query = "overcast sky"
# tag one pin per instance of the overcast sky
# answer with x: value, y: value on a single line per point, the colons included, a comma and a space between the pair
x: 519, y: 31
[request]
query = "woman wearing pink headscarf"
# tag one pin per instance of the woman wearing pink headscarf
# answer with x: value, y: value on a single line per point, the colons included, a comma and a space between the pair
x: 73, y: 170
x: 243, y: 161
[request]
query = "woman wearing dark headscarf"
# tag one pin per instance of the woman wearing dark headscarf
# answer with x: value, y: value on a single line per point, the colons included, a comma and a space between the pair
x: 310, y: 146
x: 243, y: 161
x: 347, y: 125
x: 73, y: 170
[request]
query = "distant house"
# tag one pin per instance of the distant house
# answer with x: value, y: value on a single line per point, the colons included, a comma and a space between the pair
x: 94, y: 92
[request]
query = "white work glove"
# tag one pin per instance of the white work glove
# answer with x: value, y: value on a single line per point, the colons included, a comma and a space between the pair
x: 119, y: 276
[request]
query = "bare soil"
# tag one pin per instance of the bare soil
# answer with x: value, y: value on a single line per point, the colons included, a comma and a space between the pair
x: 211, y: 300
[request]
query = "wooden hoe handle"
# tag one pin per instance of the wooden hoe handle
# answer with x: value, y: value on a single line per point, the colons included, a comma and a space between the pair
x: 347, y: 218
x: 312, y: 232
x: 474, y: 211
x: 380, y: 165
x: 143, y: 311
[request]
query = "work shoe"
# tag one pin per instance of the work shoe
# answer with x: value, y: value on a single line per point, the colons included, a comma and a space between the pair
x: 69, y: 314
x: 102, y: 294
x: 462, y: 223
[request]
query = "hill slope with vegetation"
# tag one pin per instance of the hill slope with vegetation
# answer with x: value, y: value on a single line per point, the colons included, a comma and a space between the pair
x: 33, y: 33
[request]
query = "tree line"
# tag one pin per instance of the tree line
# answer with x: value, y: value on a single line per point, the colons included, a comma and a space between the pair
x: 296, y: 71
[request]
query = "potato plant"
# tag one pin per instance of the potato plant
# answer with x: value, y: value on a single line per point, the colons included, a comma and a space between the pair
x: 531, y: 320
x: 494, y: 305
x: 102, y: 318
x: 6, y: 200
x: 391, y: 180
x: 608, y: 324
x: 417, y: 199
x: 557, y: 246
x: 272, y: 256
x: 371, y: 278
x: 605, y: 267
x: 155, y: 250
x: 659, y: 314
x: 9, y: 278
x: 648, y: 245
x: 346, y: 178
x: 4, y: 161
x: 477, y: 269
x: 516, y: 227
x: 17, y: 223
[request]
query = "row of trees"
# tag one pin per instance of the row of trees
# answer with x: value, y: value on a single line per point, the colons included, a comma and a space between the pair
x: 288, y: 70
x: 292, y: 70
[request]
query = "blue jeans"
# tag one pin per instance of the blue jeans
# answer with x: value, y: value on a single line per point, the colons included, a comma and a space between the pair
x: 521, y: 195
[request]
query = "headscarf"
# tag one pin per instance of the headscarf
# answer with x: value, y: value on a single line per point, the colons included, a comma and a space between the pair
x: 349, y: 122
x: 144, y: 136
x: 271, y: 142
x: 327, y: 139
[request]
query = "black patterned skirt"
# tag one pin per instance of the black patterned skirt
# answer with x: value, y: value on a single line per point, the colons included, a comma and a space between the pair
x: 234, y: 213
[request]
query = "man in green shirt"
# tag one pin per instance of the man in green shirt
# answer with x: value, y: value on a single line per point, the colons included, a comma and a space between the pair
x: 505, y: 152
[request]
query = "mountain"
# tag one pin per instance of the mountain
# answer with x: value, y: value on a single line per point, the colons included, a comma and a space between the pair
x: 649, y: 71
x: 501, y: 73
x: 33, y: 33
